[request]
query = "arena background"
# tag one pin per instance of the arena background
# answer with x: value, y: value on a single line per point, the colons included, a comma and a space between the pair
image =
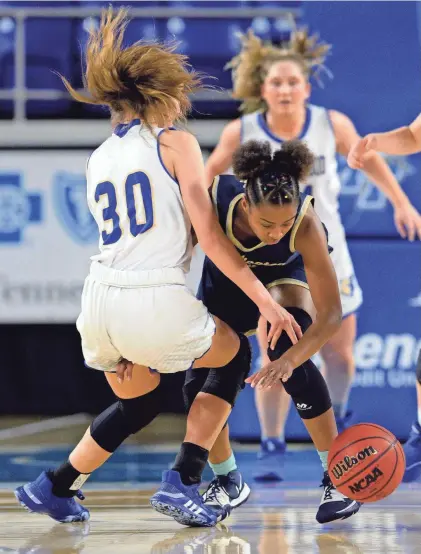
x: 47, y: 233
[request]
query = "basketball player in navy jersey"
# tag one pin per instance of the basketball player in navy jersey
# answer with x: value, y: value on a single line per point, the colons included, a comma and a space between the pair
x: 276, y: 230
x: 273, y: 84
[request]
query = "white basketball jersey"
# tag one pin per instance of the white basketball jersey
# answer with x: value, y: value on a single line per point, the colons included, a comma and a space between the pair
x: 323, y: 182
x: 136, y: 203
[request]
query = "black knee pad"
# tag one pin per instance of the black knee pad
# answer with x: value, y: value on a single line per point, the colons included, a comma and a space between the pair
x: 224, y: 382
x: 124, y: 418
x: 418, y: 369
x: 195, y: 380
x: 306, y: 386
x: 284, y: 342
x: 308, y: 390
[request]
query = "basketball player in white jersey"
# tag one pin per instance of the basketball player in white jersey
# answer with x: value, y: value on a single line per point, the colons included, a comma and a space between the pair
x: 273, y: 84
x: 400, y: 142
x: 144, y: 184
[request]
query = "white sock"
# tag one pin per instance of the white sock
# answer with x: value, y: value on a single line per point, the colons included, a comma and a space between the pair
x: 323, y: 458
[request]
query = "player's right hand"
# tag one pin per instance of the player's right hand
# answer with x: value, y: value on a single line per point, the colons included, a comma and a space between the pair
x: 280, y: 320
x: 124, y: 370
x: 360, y: 149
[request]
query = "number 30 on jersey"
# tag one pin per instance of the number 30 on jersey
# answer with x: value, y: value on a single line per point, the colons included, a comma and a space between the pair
x: 135, y: 181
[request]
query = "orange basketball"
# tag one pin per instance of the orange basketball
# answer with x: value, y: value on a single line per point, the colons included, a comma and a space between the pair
x: 366, y: 462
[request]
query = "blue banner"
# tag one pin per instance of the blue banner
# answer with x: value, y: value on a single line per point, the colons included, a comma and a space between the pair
x: 377, y: 83
x: 388, y: 342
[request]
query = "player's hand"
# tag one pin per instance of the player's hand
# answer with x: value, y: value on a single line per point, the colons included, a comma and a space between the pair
x: 271, y: 373
x: 358, y: 152
x: 280, y: 320
x: 407, y: 221
x: 124, y: 370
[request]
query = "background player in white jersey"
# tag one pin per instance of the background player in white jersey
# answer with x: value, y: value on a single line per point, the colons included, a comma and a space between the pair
x: 143, y: 185
x: 273, y: 83
x: 403, y: 141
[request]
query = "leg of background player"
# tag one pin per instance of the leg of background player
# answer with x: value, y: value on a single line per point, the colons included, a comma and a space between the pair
x: 412, y: 447
x: 339, y: 368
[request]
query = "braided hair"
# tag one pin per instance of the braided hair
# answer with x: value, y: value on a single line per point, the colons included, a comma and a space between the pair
x: 272, y: 178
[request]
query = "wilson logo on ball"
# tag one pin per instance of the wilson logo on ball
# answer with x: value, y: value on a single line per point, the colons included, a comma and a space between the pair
x: 350, y: 461
x: 366, y: 481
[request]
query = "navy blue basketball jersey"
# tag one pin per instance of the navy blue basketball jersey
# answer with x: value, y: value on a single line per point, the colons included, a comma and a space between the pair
x: 264, y: 259
x: 274, y: 264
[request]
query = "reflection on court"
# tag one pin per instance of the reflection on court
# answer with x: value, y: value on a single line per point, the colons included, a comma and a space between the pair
x: 122, y: 522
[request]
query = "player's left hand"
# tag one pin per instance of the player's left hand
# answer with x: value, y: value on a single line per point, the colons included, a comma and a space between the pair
x: 271, y: 373
x: 124, y: 370
x: 359, y: 151
x: 407, y: 221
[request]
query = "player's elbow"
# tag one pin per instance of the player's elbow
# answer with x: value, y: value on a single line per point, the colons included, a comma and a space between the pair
x: 208, y: 242
x: 332, y: 318
x: 415, y: 141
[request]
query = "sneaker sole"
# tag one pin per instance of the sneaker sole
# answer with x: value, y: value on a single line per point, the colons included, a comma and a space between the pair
x: 342, y: 516
x: 22, y: 503
x: 243, y: 497
x: 18, y: 496
x: 180, y: 515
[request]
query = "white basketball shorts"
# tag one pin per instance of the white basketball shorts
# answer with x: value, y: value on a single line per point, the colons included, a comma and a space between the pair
x: 147, y: 317
x: 350, y: 291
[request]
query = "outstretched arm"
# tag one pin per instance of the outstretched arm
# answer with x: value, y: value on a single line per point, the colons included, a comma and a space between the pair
x: 399, y: 142
x: 407, y: 219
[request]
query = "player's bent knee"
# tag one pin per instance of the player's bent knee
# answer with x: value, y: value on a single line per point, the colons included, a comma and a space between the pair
x: 306, y: 386
x: 195, y: 380
x: 226, y: 382
x: 308, y: 391
x: 124, y: 418
x: 284, y: 342
x: 338, y: 358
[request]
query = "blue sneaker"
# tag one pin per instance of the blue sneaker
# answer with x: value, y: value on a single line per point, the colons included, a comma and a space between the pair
x: 270, y: 461
x: 412, y: 449
x: 227, y: 489
x: 344, y: 422
x: 38, y: 497
x: 184, y: 503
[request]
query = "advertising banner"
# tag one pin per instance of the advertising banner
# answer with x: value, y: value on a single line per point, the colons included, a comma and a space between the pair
x: 47, y: 235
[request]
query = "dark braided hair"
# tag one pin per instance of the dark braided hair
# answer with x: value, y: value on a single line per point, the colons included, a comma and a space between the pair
x: 272, y: 178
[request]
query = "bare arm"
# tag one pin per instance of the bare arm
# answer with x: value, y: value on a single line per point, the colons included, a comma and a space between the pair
x: 182, y: 155
x: 221, y: 158
x: 321, y: 277
x: 323, y: 283
x: 400, y: 142
x: 407, y: 219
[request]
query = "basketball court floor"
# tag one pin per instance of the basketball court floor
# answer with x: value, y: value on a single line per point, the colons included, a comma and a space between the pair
x: 277, y: 519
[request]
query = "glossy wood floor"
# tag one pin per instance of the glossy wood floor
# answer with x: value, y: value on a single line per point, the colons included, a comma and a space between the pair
x: 277, y: 519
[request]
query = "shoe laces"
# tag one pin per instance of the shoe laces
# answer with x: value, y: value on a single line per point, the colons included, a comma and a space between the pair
x: 214, y: 488
x: 328, y: 486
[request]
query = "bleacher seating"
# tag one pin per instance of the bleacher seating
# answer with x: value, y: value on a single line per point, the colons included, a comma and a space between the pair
x: 56, y: 45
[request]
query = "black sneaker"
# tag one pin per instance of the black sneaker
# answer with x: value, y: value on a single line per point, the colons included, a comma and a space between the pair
x: 334, y: 505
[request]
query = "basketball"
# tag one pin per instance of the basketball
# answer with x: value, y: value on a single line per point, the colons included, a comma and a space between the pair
x: 366, y: 462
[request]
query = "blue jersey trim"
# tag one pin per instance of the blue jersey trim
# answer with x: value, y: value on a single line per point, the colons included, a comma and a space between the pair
x: 261, y: 120
x: 122, y: 129
x: 158, y: 149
